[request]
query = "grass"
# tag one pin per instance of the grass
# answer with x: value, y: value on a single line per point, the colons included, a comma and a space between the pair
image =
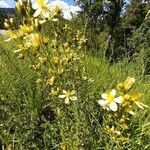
x: 24, y: 122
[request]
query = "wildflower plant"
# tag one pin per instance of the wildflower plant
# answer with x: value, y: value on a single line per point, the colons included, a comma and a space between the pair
x: 56, y: 61
x: 119, y: 105
x: 60, y: 116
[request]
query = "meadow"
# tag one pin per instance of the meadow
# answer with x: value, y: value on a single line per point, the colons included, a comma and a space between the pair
x: 56, y: 93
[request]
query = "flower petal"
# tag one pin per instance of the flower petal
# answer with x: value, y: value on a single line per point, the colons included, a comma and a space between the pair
x: 66, y: 100
x: 42, y: 21
x: 46, y: 1
x: 35, y: 5
x: 73, y: 92
x: 74, y: 98
x: 102, y: 102
x: 17, y: 51
x: 119, y: 99
x: 45, y: 13
x: 37, y: 13
x: 7, y: 40
x: 104, y: 95
x: 20, y: 2
x: 62, y: 96
x: 113, y: 106
x: 113, y: 92
x: 65, y: 92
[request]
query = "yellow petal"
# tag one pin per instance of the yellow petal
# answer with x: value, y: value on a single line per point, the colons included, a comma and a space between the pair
x: 51, y: 80
x: 126, y: 96
x: 128, y: 83
x: 135, y: 96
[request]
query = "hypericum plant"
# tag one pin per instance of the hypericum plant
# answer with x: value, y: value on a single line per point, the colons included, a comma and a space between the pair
x: 119, y: 105
x: 56, y: 60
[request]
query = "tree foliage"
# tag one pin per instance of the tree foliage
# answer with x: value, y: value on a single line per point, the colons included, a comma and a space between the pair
x: 116, y: 18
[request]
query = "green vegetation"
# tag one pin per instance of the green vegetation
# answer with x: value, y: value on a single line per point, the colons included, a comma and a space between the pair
x: 55, y: 75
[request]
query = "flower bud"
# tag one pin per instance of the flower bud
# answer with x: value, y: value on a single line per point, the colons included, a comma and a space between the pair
x: 126, y: 96
x: 11, y: 20
x: 56, y: 60
x: 7, y: 25
x: 120, y: 86
x: 128, y: 83
x: 18, y: 7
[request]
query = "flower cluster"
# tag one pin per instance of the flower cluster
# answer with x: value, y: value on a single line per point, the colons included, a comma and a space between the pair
x: 56, y: 59
x: 119, y: 105
x: 122, y: 98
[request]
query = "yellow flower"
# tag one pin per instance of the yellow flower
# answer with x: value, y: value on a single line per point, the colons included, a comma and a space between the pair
x: 21, y: 2
x: 123, y: 139
x: 25, y: 29
x: 135, y: 96
x: 33, y: 39
x: 39, y: 81
x: 110, y: 101
x: 9, y: 147
x: 126, y: 85
x: 56, y: 60
x: 51, y: 80
x: 113, y: 131
x: 45, y: 40
x: 68, y: 95
x: 11, y: 35
x: 36, y: 39
x: 42, y: 60
x: 41, y: 7
x: 54, y: 92
x: 126, y: 96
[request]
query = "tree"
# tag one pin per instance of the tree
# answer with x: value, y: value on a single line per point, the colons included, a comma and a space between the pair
x: 135, y: 13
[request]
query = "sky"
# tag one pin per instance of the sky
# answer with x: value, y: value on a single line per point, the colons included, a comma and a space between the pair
x: 67, y: 6
x: 11, y: 3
